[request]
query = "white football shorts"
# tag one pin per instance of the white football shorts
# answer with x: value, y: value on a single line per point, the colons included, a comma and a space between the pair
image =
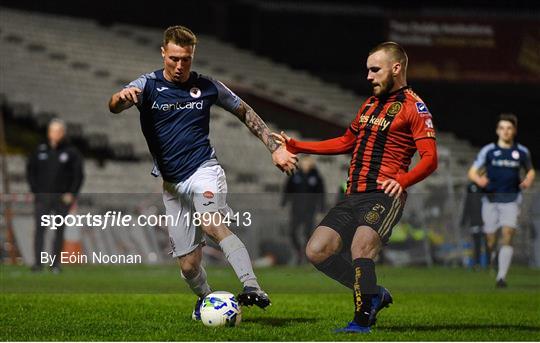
x: 204, y: 191
x: 498, y: 214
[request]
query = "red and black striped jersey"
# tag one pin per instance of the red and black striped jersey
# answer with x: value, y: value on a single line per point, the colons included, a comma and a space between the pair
x: 386, y: 130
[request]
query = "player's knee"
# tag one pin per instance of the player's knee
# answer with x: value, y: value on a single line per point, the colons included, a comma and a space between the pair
x: 189, y: 265
x: 364, y: 251
x: 189, y: 269
x: 317, y: 252
x: 506, y: 240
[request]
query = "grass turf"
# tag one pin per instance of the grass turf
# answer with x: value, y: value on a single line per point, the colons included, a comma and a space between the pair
x: 151, y: 303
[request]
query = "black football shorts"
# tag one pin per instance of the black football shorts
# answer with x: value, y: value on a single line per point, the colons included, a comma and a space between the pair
x: 376, y: 210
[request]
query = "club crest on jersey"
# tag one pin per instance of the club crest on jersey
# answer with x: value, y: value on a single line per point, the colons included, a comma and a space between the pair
x: 208, y: 195
x: 515, y: 155
x: 394, y: 108
x: 195, y: 92
x: 421, y: 108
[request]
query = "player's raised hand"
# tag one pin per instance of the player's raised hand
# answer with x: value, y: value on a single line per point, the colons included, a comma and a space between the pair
x: 129, y: 95
x: 391, y: 187
x: 284, y: 160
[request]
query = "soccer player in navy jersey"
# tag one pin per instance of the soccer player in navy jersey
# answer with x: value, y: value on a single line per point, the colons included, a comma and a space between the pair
x: 174, y: 105
x: 389, y: 128
x: 503, y: 162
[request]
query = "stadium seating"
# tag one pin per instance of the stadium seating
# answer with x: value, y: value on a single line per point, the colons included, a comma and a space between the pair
x: 70, y: 67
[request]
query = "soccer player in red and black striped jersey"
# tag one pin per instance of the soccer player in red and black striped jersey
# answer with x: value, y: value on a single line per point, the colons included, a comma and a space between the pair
x: 390, y: 127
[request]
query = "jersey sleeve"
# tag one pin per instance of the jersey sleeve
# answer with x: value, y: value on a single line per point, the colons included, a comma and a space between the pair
x: 427, y: 149
x: 420, y: 121
x: 226, y: 98
x: 480, y: 160
x: 333, y: 146
x: 140, y: 83
x: 526, y: 161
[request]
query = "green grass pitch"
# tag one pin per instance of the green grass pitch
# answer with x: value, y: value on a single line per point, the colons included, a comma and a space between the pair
x: 142, y: 303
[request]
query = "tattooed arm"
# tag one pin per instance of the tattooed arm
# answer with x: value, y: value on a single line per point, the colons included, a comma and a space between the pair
x: 283, y: 159
x: 256, y: 125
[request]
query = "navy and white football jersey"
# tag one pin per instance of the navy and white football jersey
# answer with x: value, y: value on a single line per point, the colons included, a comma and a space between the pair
x: 503, y: 166
x: 175, y: 120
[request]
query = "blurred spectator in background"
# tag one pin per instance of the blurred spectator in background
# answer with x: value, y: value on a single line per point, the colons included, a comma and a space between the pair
x: 502, y: 182
x: 472, y: 219
x: 55, y: 174
x: 305, y: 191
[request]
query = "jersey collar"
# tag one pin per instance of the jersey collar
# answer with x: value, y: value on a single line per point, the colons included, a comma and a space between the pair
x: 185, y: 85
x: 393, y: 94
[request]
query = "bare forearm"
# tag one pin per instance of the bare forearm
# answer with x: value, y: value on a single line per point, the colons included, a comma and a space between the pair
x: 473, y: 175
x: 257, y: 126
x: 124, y: 99
x: 530, y: 176
x: 116, y: 105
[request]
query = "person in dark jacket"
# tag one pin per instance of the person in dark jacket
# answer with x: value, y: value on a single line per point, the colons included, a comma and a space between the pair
x: 305, y: 191
x: 472, y: 218
x: 55, y: 175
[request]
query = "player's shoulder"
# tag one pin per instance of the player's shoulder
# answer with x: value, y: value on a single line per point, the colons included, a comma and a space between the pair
x: 142, y: 80
x: 412, y: 95
x: 414, y: 105
x: 488, y: 147
x: 523, y: 148
x: 414, y: 101
x: 205, y: 82
x: 153, y: 75
x: 483, y: 154
x: 202, y: 78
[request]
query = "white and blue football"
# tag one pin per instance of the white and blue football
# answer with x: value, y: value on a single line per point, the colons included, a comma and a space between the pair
x: 220, y: 309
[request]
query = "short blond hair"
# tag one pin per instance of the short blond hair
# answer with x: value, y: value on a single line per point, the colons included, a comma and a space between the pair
x: 179, y: 35
x: 395, y: 51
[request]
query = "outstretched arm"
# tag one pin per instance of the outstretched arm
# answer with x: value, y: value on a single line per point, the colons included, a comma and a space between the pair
x: 256, y: 125
x: 283, y: 159
x: 333, y: 146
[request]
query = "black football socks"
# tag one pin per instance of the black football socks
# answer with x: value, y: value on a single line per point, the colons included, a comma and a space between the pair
x: 364, y: 289
x: 338, y: 268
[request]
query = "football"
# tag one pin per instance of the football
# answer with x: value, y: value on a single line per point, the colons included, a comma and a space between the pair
x: 220, y: 309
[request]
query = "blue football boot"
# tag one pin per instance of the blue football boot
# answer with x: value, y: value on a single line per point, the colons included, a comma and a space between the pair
x: 196, y: 314
x: 354, y: 327
x: 381, y: 300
